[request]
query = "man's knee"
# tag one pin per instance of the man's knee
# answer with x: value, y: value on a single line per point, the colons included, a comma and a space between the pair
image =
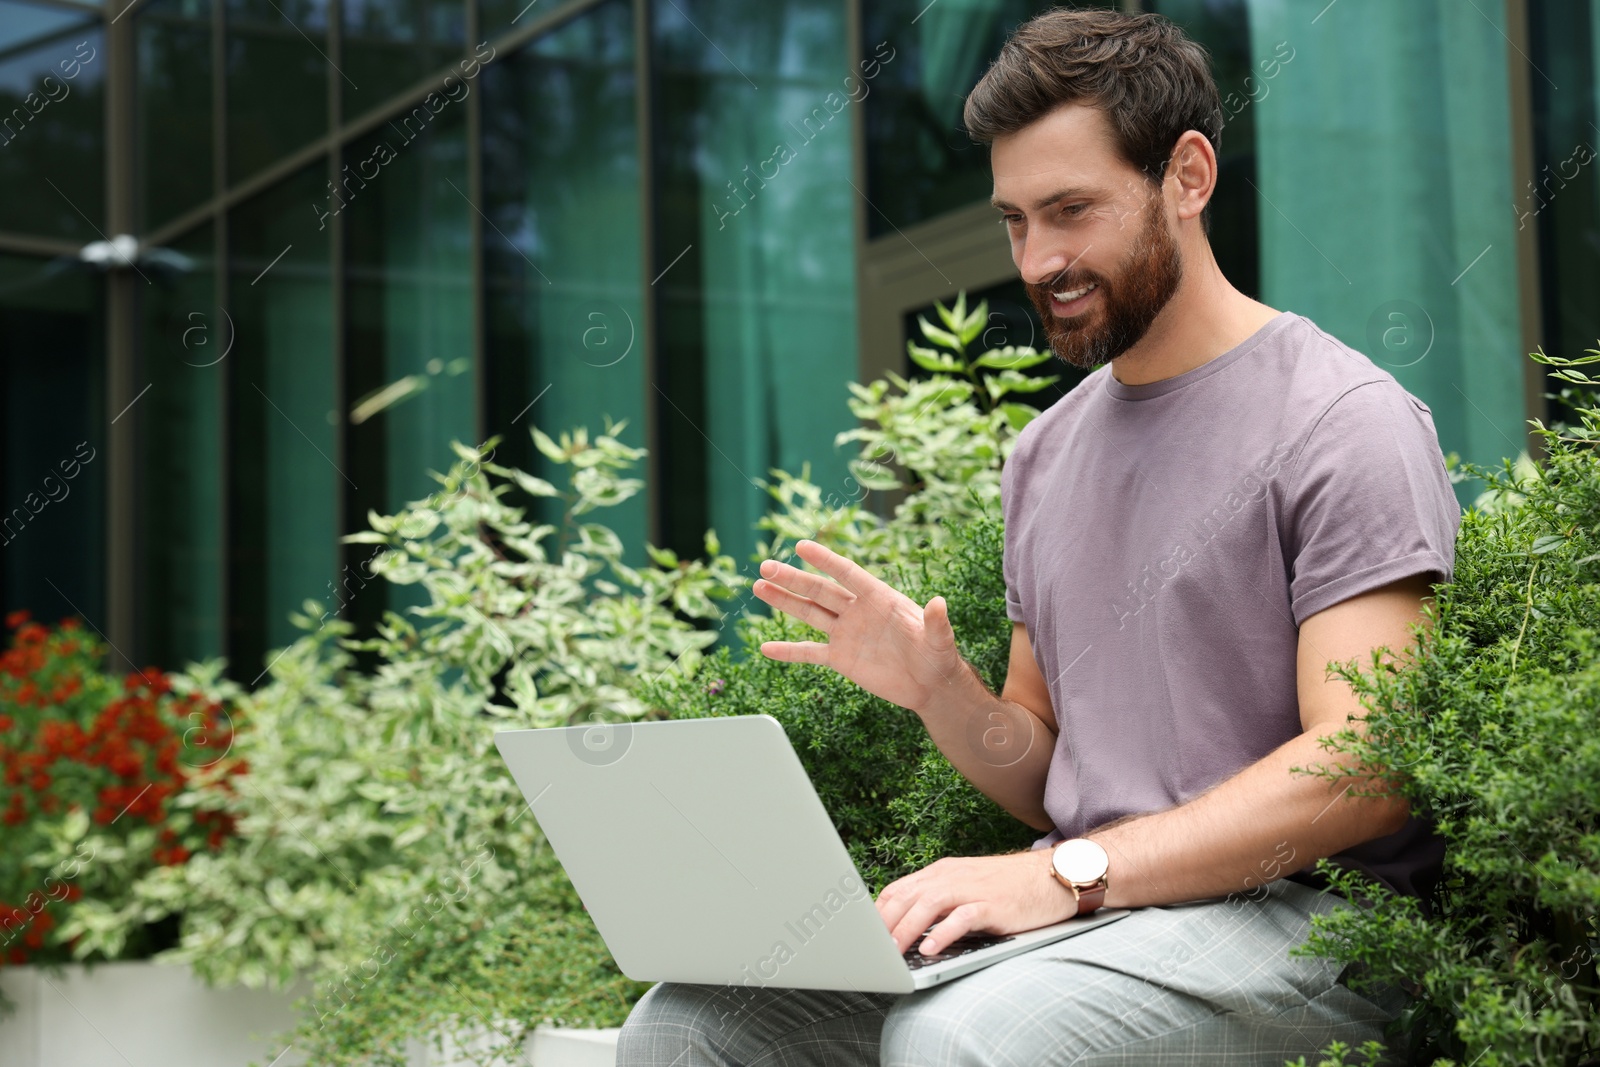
x: 975, y: 1021
x: 662, y: 1025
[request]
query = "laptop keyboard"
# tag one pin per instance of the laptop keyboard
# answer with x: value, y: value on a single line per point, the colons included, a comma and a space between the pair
x: 959, y: 947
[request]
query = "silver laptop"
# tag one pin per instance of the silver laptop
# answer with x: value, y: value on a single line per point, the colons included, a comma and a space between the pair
x: 703, y: 854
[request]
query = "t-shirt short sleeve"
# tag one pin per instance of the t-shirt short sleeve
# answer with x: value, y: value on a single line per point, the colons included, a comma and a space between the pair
x: 1008, y: 556
x: 1371, y: 500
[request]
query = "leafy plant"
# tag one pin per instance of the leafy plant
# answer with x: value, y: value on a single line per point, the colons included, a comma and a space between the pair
x: 381, y: 842
x: 937, y: 443
x: 1492, y: 730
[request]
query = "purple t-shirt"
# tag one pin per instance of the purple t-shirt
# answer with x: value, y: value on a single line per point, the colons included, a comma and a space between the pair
x: 1164, y: 543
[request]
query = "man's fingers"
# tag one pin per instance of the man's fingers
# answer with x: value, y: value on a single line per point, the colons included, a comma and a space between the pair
x: 923, y: 914
x: 796, y: 651
x: 824, y: 590
x: 807, y: 611
x: 848, y: 573
x: 936, y: 616
x: 958, y: 924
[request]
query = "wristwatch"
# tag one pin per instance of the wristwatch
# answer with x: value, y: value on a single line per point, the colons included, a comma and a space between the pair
x: 1083, y: 867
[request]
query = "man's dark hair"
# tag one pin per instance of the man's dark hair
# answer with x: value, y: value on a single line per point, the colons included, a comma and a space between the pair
x: 1151, y: 81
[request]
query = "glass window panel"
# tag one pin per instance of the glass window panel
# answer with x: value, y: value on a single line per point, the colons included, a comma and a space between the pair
x: 409, y: 341
x: 184, y: 336
x: 496, y: 17
x: 54, y: 432
x: 278, y: 74
x: 389, y: 45
x: 284, y: 480
x: 1223, y: 27
x: 562, y: 247
x: 174, y: 109
x: 754, y: 255
x: 1563, y: 200
x: 52, y: 123
x: 24, y: 26
x: 926, y: 58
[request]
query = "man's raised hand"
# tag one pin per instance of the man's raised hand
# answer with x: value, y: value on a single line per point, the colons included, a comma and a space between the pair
x: 878, y: 637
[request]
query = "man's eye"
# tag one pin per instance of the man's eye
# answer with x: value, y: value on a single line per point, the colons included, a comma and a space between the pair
x: 1075, y: 209
x: 1010, y: 220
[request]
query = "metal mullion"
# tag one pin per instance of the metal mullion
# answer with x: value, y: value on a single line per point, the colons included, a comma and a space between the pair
x: 342, y: 133
x: 480, y: 325
x: 1523, y: 164
x: 49, y: 38
x: 644, y: 127
x: 334, y: 151
x: 86, y: 7
x: 220, y: 289
x: 28, y: 245
x: 124, y: 539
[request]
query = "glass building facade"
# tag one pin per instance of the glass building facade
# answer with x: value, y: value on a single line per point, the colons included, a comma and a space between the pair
x: 261, y: 261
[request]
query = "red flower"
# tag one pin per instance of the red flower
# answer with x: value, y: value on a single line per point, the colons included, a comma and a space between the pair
x: 16, y: 619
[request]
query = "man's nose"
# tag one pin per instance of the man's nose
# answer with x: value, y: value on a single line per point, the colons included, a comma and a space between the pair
x: 1043, y: 262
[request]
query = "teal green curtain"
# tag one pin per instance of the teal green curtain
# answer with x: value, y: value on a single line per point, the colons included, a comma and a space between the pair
x: 286, y: 485
x: 411, y: 381
x: 179, y: 412
x: 954, y: 38
x: 1384, y: 162
x: 777, y: 254
x: 425, y: 307
x: 566, y: 301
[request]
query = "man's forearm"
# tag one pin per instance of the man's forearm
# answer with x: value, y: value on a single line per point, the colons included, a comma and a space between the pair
x: 998, y: 745
x: 1261, y: 824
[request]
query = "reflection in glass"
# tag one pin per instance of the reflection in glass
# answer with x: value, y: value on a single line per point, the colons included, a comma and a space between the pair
x: 389, y: 45
x: 562, y: 245
x: 284, y: 482
x: 1223, y: 27
x: 1562, y: 199
x: 52, y: 123
x: 920, y: 162
x: 410, y: 374
x: 173, y: 122
x: 53, y: 431
x: 756, y: 297
x: 183, y: 335
x: 278, y: 74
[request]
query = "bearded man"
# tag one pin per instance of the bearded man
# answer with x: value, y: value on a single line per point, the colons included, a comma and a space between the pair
x: 1230, y: 502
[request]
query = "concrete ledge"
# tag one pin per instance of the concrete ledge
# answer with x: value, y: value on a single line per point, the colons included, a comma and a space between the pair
x: 143, y: 1014
x: 551, y: 1047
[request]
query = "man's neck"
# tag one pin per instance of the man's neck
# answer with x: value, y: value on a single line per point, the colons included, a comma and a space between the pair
x: 1206, y: 317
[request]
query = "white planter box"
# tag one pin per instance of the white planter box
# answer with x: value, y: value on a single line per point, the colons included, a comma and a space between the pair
x: 155, y: 1015
x: 138, y: 1014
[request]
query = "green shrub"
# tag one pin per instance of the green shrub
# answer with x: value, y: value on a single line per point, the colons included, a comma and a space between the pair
x: 1494, y: 730
x: 898, y: 803
x: 382, y: 847
x: 381, y: 842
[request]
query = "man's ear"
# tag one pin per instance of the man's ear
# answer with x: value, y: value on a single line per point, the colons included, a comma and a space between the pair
x: 1193, y: 166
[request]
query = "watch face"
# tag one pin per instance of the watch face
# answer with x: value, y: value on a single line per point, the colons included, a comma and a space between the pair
x: 1081, y: 861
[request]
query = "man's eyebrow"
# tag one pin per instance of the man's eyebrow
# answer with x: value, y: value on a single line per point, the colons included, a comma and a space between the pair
x: 1045, y: 201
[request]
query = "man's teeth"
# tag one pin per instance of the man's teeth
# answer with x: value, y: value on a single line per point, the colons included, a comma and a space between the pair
x: 1066, y: 298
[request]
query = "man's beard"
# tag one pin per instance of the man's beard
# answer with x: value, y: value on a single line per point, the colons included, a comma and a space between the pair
x: 1143, y: 286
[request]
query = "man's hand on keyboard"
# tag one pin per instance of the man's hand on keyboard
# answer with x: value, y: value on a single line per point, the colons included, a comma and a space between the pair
x: 997, y: 894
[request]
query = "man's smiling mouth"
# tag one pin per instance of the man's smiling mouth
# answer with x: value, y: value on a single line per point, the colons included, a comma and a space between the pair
x: 1070, y: 295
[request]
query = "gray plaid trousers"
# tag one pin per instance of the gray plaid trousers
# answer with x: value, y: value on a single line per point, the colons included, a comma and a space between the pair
x: 1209, y: 982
